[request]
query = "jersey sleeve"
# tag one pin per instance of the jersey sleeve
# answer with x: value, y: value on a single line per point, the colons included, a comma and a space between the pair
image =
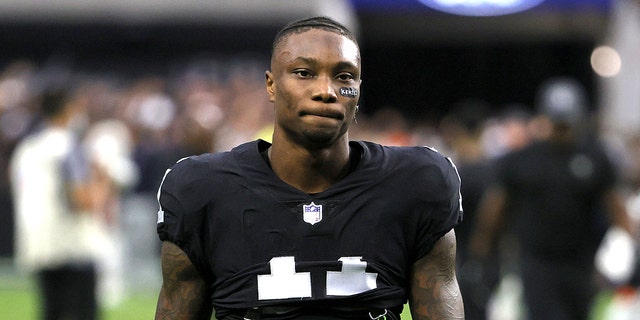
x: 181, y: 218
x: 443, y: 209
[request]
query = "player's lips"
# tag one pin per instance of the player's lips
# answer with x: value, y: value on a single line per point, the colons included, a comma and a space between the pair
x: 326, y: 113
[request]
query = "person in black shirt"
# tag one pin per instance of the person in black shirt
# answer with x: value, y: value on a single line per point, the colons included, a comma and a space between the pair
x: 552, y: 193
x: 463, y: 129
x: 312, y: 225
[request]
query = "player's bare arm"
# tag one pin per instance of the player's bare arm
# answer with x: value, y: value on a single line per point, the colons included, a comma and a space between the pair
x: 434, y: 288
x: 184, y: 294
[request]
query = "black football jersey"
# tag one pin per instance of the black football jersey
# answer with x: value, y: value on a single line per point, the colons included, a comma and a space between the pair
x: 261, y: 242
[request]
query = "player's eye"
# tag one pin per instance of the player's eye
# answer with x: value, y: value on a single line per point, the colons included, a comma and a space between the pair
x: 302, y: 73
x: 345, y: 76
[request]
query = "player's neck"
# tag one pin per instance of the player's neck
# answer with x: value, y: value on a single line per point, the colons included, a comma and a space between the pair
x: 311, y: 171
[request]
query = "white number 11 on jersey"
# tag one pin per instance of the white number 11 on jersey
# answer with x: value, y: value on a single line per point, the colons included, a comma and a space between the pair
x: 285, y: 283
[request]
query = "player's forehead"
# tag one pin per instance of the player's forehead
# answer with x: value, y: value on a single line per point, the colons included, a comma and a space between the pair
x: 311, y: 42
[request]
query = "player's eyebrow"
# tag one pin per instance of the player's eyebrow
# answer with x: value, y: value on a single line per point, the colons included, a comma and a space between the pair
x: 341, y: 65
x: 306, y: 60
x: 345, y: 65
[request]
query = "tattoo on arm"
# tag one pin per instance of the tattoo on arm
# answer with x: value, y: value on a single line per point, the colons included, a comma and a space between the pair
x: 184, y: 293
x: 435, y: 294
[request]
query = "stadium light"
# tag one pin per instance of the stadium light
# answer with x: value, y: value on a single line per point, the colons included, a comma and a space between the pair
x: 481, y: 7
x: 606, y: 61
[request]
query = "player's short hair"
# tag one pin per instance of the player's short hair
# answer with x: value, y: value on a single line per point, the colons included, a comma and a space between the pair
x: 302, y: 25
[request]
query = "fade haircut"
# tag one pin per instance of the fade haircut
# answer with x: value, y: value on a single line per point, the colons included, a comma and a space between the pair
x: 303, y: 25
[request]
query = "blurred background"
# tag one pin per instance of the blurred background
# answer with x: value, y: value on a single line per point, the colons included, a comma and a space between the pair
x: 165, y: 79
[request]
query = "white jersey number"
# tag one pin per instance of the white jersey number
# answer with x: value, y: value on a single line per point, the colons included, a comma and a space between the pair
x: 285, y: 283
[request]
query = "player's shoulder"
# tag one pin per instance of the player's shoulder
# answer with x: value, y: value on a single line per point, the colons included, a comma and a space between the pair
x: 408, y: 155
x: 193, y: 181
x: 430, y: 159
x: 413, y: 162
x: 195, y: 171
x: 424, y: 155
x: 207, y: 167
x: 195, y: 166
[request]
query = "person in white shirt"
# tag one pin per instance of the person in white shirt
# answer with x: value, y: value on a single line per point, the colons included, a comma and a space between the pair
x: 55, y: 225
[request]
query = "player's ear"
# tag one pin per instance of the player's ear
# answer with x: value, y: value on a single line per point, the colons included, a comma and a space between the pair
x: 270, y: 83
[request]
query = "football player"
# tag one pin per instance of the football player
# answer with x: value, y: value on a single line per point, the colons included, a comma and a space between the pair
x: 312, y: 225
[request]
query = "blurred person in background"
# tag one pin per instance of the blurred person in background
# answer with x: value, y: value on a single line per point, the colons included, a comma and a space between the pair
x: 552, y: 194
x: 150, y: 111
x: 390, y: 127
x: 517, y: 128
x: 462, y: 128
x: 247, y: 111
x: 15, y: 121
x: 55, y: 223
x: 510, y: 130
x: 312, y: 225
x: 108, y: 147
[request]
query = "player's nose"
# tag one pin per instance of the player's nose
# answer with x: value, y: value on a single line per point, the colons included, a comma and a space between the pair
x: 324, y: 90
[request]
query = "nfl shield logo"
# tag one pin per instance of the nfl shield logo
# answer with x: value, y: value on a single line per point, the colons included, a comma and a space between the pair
x: 312, y: 213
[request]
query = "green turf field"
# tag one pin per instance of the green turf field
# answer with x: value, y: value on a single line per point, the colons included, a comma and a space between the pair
x: 22, y: 304
x: 19, y: 301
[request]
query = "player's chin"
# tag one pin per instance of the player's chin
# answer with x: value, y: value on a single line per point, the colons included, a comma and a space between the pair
x: 322, y: 136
